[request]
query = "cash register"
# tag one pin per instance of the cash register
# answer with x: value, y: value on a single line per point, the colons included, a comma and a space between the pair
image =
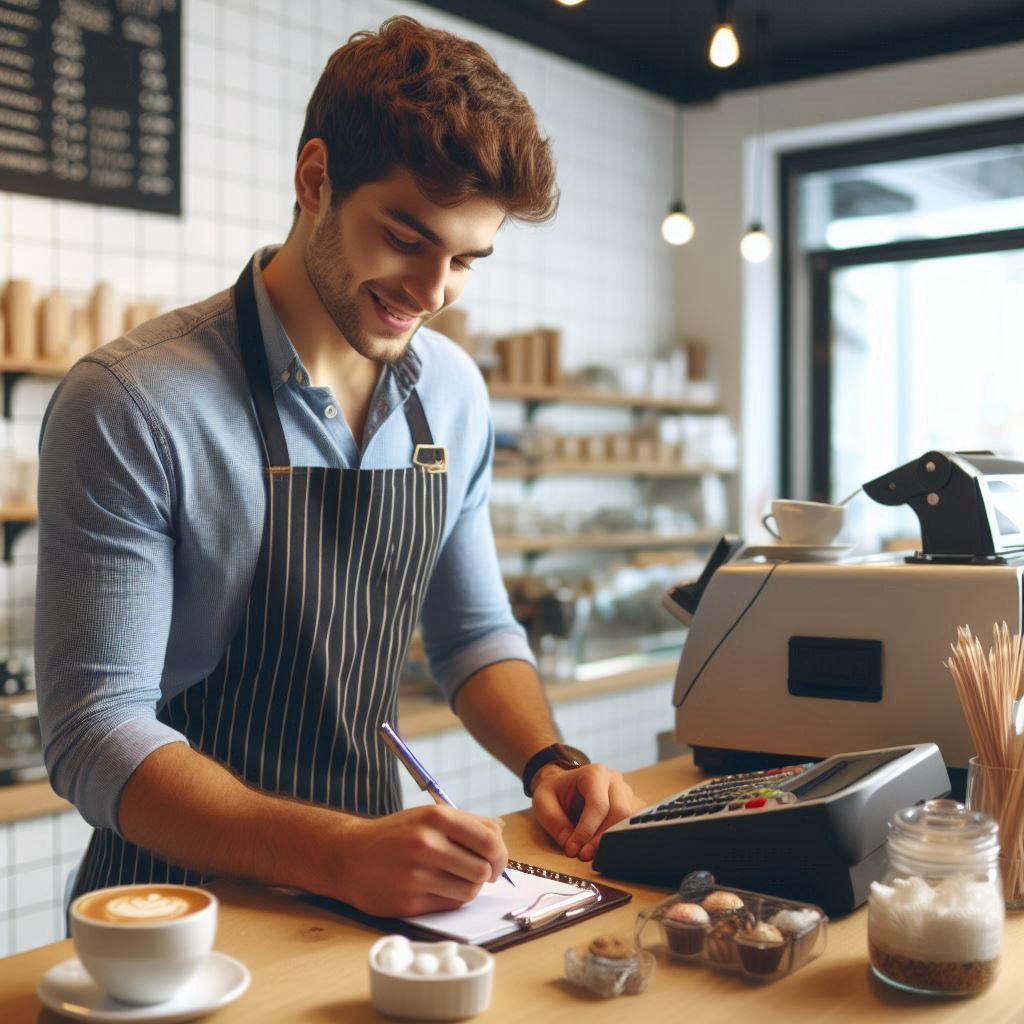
x: 787, y: 663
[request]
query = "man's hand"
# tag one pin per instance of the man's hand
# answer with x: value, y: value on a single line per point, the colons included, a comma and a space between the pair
x: 576, y: 807
x: 418, y: 861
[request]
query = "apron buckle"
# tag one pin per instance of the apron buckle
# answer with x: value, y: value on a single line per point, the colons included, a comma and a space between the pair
x: 431, y: 457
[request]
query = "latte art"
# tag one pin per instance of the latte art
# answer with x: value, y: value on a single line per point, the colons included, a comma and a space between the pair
x: 143, y: 904
x: 150, y: 906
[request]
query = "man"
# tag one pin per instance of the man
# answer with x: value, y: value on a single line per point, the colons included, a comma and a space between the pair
x: 246, y: 506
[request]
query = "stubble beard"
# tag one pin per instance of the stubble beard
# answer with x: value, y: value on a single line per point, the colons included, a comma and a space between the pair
x: 329, y: 272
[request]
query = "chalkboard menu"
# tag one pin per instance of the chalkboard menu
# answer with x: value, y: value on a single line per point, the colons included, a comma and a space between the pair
x: 90, y: 101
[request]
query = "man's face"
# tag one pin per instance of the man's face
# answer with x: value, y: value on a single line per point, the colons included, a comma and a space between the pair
x: 387, y: 259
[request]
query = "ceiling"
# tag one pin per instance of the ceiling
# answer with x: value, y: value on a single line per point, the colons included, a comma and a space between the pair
x: 661, y: 45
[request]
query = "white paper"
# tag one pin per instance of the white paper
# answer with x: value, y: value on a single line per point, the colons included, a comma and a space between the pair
x: 484, y: 918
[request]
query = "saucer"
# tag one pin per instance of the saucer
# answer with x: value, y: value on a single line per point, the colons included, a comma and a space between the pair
x: 799, y: 552
x: 68, y: 990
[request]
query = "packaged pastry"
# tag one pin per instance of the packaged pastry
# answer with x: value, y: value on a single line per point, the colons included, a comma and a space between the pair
x: 609, y: 966
x: 758, y: 936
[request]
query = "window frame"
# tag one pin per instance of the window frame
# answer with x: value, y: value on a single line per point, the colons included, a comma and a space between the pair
x: 809, y: 266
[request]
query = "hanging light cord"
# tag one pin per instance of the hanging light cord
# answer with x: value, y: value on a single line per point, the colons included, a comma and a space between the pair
x: 762, y: 77
x: 677, y: 153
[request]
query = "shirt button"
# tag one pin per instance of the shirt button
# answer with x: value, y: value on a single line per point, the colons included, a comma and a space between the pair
x: 285, y: 375
x: 331, y: 411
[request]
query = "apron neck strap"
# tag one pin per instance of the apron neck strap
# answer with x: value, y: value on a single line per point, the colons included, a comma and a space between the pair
x: 417, y: 420
x: 254, y: 358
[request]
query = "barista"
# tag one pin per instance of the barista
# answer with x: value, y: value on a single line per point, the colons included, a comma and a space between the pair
x: 247, y: 504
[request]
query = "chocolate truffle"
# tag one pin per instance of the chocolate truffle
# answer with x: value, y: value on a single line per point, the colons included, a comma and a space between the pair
x: 685, y: 925
x: 721, y: 902
x: 792, y: 922
x: 761, y: 948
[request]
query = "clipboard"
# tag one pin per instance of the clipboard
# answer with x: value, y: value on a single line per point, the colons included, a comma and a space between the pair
x: 536, y: 917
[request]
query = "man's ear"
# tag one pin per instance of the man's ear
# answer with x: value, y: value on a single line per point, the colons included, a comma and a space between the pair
x: 312, y: 184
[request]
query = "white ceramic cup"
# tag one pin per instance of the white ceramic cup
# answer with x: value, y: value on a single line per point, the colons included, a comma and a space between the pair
x: 132, y: 951
x: 804, y: 522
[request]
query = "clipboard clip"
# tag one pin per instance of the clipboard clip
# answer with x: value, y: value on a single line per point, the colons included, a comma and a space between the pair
x: 549, y: 906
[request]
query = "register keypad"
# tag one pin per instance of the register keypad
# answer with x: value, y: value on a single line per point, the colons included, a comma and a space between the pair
x: 746, y: 791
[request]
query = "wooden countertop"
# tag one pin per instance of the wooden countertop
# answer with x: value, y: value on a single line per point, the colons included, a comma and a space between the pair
x: 22, y: 800
x: 309, y: 965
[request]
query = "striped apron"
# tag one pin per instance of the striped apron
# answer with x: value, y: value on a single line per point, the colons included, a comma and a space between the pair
x: 313, y: 668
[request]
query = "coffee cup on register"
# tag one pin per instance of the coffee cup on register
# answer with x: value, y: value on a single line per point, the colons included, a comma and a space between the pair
x: 805, y: 522
x: 142, y: 943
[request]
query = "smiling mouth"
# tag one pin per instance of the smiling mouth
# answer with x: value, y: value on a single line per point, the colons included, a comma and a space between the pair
x: 391, y: 311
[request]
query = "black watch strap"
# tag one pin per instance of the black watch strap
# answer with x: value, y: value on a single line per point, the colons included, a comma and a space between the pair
x: 558, y: 753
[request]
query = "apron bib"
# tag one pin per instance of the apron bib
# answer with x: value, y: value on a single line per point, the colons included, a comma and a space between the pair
x: 313, y: 667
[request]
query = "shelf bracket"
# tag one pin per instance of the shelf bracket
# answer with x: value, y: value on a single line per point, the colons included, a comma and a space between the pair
x: 11, y: 531
x: 11, y: 378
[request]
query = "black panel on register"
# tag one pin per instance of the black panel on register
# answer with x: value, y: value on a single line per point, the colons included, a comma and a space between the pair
x: 90, y: 101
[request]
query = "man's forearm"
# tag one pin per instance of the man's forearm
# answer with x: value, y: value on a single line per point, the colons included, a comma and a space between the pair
x: 504, y: 707
x: 191, y: 811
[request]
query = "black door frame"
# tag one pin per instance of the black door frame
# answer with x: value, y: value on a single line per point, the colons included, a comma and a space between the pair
x: 791, y: 167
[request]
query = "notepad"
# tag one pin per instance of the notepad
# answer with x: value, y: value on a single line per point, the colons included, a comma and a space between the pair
x: 484, y: 921
x: 485, y: 918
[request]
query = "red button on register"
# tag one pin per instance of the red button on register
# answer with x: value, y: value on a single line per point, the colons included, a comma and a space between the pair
x: 758, y: 801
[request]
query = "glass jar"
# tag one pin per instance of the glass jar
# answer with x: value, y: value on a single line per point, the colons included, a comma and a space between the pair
x: 935, y: 919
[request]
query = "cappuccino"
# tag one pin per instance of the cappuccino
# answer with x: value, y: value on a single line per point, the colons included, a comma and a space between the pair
x: 142, y: 904
x: 141, y: 943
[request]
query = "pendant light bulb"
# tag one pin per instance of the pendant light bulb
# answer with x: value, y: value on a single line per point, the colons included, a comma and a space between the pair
x: 756, y: 245
x: 570, y: 3
x: 677, y: 228
x: 725, y: 47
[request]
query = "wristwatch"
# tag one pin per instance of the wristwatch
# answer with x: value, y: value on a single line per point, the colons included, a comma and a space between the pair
x: 558, y: 753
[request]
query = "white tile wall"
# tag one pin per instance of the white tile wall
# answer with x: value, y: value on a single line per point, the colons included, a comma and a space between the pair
x: 599, y: 271
x: 618, y: 730
x: 36, y: 857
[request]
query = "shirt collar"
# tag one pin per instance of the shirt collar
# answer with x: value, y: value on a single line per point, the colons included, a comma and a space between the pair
x: 283, y: 360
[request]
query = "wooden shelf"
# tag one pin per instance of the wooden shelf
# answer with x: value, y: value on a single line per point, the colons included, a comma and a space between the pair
x: 576, y: 467
x: 37, y: 367
x: 18, y: 514
x: 532, y: 393
x: 611, y: 540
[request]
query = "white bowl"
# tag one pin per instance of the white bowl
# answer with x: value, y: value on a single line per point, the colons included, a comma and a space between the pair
x: 432, y: 997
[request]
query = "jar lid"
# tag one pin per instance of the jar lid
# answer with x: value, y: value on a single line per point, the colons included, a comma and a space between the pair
x: 945, y: 825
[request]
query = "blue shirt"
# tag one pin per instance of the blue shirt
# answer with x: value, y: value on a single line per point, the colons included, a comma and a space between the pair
x: 151, y: 509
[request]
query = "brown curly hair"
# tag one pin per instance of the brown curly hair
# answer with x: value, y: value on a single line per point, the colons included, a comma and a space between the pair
x: 416, y: 97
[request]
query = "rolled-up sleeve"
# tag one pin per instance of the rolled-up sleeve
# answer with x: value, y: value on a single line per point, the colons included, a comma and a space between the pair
x: 467, y: 620
x: 105, y: 587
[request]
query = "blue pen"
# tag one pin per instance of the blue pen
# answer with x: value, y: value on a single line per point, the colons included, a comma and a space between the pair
x: 416, y: 769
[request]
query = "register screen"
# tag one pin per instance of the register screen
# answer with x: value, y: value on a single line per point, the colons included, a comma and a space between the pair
x: 831, y: 776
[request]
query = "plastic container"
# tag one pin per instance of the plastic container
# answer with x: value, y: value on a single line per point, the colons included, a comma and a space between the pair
x: 936, y: 917
x: 439, y: 996
x: 609, y: 967
x: 759, y: 937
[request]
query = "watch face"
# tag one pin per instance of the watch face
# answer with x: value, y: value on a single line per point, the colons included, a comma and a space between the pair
x: 570, y: 757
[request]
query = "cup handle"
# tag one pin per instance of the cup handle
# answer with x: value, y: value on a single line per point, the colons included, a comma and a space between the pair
x: 764, y: 520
